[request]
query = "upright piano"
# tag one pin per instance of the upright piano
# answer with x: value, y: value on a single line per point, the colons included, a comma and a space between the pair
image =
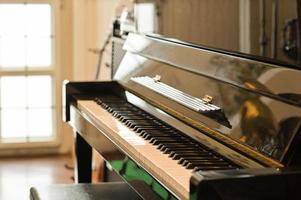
x: 181, y: 121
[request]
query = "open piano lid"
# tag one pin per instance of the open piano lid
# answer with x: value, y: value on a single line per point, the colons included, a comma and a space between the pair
x: 250, y: 105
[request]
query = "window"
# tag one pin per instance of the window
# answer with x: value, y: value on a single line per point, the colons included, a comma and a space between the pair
x: 27, y: 72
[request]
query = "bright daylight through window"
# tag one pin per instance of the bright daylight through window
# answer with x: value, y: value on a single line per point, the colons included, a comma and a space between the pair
x: 26, y: 72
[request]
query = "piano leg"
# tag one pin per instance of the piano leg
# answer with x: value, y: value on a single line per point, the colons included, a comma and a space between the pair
x: 83, y: 163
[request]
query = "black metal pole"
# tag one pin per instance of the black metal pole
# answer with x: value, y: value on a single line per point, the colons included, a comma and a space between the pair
x: 262, y: 39
x: 299, y: 31
x: 274, y: 36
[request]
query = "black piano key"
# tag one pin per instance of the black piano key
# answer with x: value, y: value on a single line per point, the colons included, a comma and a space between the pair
x: 168, y: 150
x: 165, y: 138
x: 124, y: 114
x: 190, y: 152
x: 178, y: 155
x: 146, y: 134
x: 140, y: 129
x: 168, y: 140
x: 193, y: 164
x: 146, y: 122
x: 120, y: 105
x: 135, y: 117
x: 204, y: 156
x: 120, y: 109
x: 178, y: 146
x: 208, y: 164
x: 149, y: 136
x: 212, y: 168
x: 140, y: 126
x: 203, y: 163
x: 127, y: 118
x: 159, y: 133
x: 142, y: 122
x: 111, y: 110
x: 201, y: 159
x: 125, y: 110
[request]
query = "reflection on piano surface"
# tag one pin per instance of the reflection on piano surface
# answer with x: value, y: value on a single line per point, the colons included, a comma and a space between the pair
x: 177, y: 123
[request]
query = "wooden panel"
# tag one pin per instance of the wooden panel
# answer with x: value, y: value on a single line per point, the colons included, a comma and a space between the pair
x: 201, y: 22
x: 287, y: 10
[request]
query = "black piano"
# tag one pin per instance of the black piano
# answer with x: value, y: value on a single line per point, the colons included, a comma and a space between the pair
x: 180, y: 121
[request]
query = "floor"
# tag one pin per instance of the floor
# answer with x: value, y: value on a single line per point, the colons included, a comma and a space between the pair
x: 17, y: 175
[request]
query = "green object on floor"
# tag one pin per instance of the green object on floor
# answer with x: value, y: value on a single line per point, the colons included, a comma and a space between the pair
x: 130, y: 171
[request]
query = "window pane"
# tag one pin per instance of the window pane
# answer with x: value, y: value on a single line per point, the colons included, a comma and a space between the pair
x: 25, y: 31
x: 40, y: 122
x: 39, y: 52
x: 12, y: 20
x: 12, y: 52
x: 26, y: 103
x: 13, y: 123
x: 38, y: 18
x: 39, y: 91
x: 13, y: 92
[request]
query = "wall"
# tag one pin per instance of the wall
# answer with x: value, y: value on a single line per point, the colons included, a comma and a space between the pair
x: 84, y: 38
x: 92, y: 23
x: 66, y: 64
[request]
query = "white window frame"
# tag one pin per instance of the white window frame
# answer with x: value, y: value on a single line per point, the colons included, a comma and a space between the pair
x: 55, y: 72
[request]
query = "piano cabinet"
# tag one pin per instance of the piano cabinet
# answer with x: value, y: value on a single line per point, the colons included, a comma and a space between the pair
x: 251, y: 184
x: 226, y: 135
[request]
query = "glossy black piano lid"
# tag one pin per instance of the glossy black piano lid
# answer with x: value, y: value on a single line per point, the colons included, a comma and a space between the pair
x: 261, y: 101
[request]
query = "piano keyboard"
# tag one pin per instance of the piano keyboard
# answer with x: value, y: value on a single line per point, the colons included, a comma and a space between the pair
x: 166, y: 165
x: 176, y: 145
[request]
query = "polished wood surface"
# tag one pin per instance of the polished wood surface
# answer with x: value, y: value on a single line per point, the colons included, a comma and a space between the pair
x: 163, y: 168
x: 17, y: 175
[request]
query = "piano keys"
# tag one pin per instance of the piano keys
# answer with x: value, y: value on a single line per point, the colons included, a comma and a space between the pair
x: 175, y: 126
